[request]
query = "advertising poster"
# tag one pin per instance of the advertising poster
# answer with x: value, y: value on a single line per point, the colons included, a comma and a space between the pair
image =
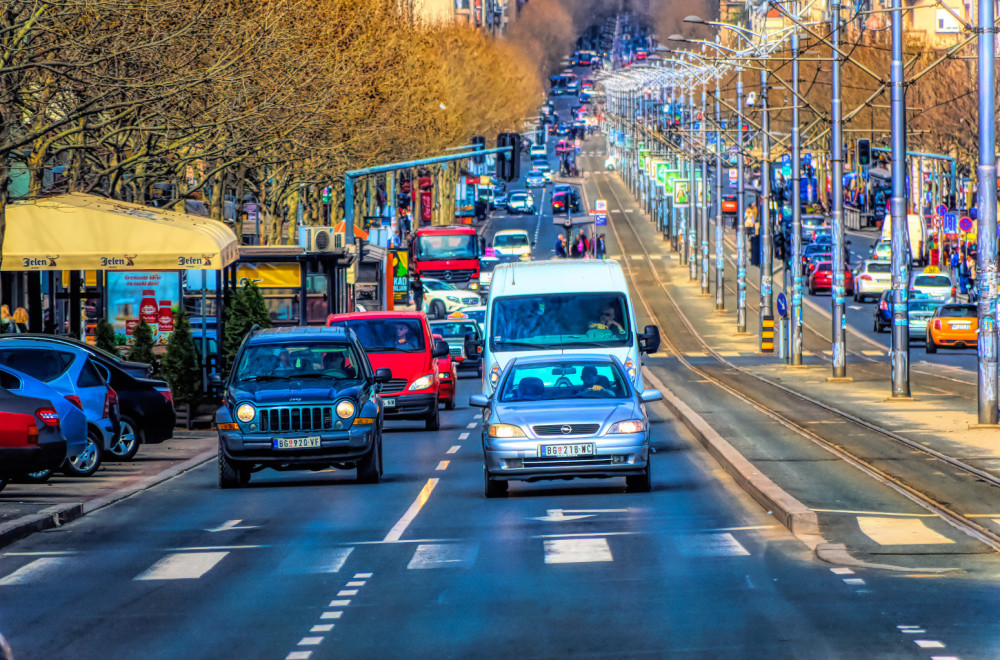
x: 152, y: 296
x: 400, y: 276
x: 426, y: 206
x: 682, y: 192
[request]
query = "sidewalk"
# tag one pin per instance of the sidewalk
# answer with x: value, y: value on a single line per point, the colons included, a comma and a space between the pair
x: 28, y: 508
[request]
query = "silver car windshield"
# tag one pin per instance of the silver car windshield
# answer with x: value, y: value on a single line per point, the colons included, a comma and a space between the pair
x: 564, y: 380
x: 583, y: 320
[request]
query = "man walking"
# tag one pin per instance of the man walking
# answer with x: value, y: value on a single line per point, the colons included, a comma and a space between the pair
x: 561, y: 246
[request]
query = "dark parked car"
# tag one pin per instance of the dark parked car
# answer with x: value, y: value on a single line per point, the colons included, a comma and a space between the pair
x: 146, y: 404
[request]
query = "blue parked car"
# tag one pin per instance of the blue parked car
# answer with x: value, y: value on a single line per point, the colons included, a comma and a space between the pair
x: 883, y: 310
x: 68, y: 420
x: 75, y: 375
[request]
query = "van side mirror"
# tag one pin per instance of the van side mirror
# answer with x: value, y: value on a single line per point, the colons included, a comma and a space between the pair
x: 440, y: 349
x: 473, y: 345
x: 649, y: 340
x: 383, y: 375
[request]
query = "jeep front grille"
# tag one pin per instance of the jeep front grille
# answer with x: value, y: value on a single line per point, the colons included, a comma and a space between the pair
x: 296, y: 418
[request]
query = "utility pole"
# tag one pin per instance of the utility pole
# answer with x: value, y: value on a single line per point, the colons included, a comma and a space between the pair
x: 766, y: 309
x: 986, y: 242
x: 795, y: 262
x: 900, y: 357
x: 692, y: 197
x: 741, y: 235
x: 720, y: 264
x: 839, y: 319
x: 681, y: 213
x: 704, y: 192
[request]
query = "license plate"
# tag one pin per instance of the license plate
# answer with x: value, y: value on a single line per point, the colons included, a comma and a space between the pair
x: 297, y: 443
x: 960, y: 326
x: 389, y: 403
x: 567, y: 451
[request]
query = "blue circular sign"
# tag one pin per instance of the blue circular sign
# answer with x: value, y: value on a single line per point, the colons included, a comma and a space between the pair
x: 942, y: 209
x: 965, y: 224
x: 782, y: 304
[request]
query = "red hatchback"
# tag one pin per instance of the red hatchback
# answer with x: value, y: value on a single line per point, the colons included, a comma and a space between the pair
x: 402, y: 343
x: 821, y: 278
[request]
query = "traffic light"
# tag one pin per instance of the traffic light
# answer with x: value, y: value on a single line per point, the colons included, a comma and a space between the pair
x: 479, y: 143
x: 509, y: 164
x: 864, y: 152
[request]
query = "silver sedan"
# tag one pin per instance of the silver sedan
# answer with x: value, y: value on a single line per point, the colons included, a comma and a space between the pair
x: 564, y: 417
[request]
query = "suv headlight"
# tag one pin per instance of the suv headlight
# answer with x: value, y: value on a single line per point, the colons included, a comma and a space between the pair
x: 345, y: 409
x: 630, y: 366
x: 505, y: 431
x: 422, y: 383
x: 245, y: 412
x: 628, y: 426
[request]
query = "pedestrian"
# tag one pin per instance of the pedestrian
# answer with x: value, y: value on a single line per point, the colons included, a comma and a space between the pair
x: 561, y: 246
x: 601, y: 247
x: 417, y: 288
x: 21, y: 319
x: 6, y: 322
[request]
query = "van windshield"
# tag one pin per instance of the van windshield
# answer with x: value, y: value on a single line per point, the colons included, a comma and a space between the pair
x: 544, y: 322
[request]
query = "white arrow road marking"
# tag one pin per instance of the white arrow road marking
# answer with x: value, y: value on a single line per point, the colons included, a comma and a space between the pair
x: 559, y: 515
x: 230, y: 525
x: 577, y: 551
x: 183, y: 566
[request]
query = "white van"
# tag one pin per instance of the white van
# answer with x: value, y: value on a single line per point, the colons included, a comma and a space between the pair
x: 559, y: 306
x: 917, y: 233
x: 513, y: 243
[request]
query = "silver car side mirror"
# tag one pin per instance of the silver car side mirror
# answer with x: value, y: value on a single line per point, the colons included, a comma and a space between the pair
x: 648, y: 396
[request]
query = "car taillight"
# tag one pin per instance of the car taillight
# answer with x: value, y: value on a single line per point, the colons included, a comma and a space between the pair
x: 953, y: 292
x: 75, y: 400
x: 168, y: 394
x: 937, y: 324
x: 32, y: 434
x: 865, y: 278
x: 884, y: 305
x: 110, y: 399
x: 48, y: 415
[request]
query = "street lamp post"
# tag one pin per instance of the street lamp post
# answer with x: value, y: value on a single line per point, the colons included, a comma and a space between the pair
x: 741, y: 235
x: 795, y: 262
x: 704, y: 192
x: 900, y: 357
x: 720, y: 265
x: 692, y: 240
x: 839, y: 320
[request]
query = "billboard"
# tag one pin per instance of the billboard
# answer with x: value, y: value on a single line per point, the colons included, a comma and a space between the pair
x: 153, y: 296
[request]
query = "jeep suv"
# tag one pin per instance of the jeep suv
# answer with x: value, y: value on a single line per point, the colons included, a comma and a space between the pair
x: 301, y: 399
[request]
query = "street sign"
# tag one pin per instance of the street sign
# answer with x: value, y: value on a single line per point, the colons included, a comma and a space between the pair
x: 965, y: 224
x: 807, y: 158
x: 786, y: 165
x: 733, y: 175
x: 942, y: 209
x: 937, y: 221
x: 733, y: 149
x: 950, y: 223
x: 782, y: 304
x: 601, y: 220
x: 601, y: 205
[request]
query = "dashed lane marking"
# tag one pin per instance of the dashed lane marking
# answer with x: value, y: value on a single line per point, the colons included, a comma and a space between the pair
x: 929, y: 643
x: 454, y: 449
x: 443, y: 465
x: 32, y: 571
x: 397, y: 530
x: 900, y: 531
x: 577, y: 551
x: 471, y: 425
x: 463, y: 436
x: 331, y: 615
x: 321, y: 627
x: 444, y: 555
x: 299, y: 655
x: 183, y: 566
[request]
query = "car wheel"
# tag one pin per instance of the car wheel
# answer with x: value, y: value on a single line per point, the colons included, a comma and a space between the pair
x: 929, y: 345
x: 437, y: 310
x: 493, y: 488
x: 231, y: 475
x: 128, y: 441
x: 450, y: 404
x: 39, y: 477
x: 812, y: 291
x: 433, y: 421
x: 369, y: 469
x: 641, y: 483
x: 87, y: 461
x: 3, y: 483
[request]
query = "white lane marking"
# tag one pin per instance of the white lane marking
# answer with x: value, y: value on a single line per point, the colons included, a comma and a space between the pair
x: 477, y: 416
x: 854, y: 581
x: 443, y: 465
x: 454, y: 449
x: 299, y: 655
x: 584, y: 535
x: 362, y: 576
x: 841, y: 571
x: 577, y: 551
x: 230, y: 525
x: 35, y: 570
x: 182, y: 566
x: 944, y: 657
x: 340, y: 603
x: 355, y: 583
x: 463, y: 436
x: 899, y: 531
x: 713, y: 545
x: 199, y: 548
x: 302, y: 561
x: 471, y: 425
x: 397, y: 530
x: 929, y: 643
x: 321, y: 627
x: 637, y: 257
x: 330, y: 615
x: 310, y: 641
x: 855, y: 307
x: 449, y: 555
x: 38, y: 554
x: 347, y: 592
x: 913, y: 631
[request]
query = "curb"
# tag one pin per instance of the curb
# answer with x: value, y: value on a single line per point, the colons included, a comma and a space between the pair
x: 797, y: 517
x: 60, y: 514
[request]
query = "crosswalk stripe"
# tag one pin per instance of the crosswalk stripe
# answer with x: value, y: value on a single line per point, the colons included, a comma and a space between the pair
x: 713, y: 545
x: 900, y: 531
x: 577, y: 551
x: 33, y: 571
x: 443, y: 555
x: 304, y: 561
x: 183, y: 566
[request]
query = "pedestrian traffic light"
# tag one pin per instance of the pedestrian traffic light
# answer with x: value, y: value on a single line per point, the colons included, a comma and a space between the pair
x: 509, y: 163
x: 479, y: 143
x: 864, y: 152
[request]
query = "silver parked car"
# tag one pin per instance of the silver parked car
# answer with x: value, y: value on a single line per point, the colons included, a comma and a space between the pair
x: 562, y: 417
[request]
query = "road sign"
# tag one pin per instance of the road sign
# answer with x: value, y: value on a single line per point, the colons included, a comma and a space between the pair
x: 942, y: 209
x: 601, y: 220
x: 937, y: 221
x: 781, y: 304
x: 733, y: 175
x: 965, y: 224
x: 786, y: 165
x: 950, y: 223
x: 733, y: 149
x: 807, y: 158
x: 601, y: 205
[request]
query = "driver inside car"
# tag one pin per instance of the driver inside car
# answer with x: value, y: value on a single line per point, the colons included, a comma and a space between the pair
x: 592, y: 381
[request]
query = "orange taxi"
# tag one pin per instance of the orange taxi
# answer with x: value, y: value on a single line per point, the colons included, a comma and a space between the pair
x: 953, y: 325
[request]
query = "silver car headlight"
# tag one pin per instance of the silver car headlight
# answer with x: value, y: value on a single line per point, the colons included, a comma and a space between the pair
x: 628, y: 426
x: 245, y: 413
x: 505, y: 431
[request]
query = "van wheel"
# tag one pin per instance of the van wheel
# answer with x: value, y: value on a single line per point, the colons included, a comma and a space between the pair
x: 437, y: 310
x: 87, y: 461
x: 433, y: 421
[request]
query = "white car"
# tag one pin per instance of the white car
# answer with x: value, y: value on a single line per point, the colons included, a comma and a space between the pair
x: 872, y: 278
x: 440, y: 298
x: 538, y: 150
x: 937, y: 285
x: 521, y: 202
x: 512, y: 242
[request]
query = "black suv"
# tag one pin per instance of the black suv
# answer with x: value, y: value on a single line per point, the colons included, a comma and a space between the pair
x: 301, y: 399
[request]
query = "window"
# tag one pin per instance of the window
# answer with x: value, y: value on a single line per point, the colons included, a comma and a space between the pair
x: 296, y: 361
x: 9, y: 381
x: 931, y: 280
x: 510, y: 240
x: 958, y: 311
x: 42, y: 363
x: 387, y: 335
x: 454, y: 328
x: 564, y: 380
x: 877, y: 267
x: 90, y: 376
x: 583, y: 320
x: 946, y: 23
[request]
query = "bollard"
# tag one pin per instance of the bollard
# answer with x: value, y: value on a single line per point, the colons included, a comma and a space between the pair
x: 782, y: 333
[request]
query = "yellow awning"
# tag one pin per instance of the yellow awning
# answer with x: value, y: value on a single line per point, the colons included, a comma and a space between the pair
x: 85, y: 232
